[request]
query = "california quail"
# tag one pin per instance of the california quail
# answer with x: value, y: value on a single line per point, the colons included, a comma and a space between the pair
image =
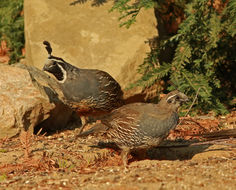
x: 89, y: 92
x: 140, y: 125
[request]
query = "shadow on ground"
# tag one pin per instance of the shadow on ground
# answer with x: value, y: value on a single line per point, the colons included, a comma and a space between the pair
x: 168, y: 150
x: 175, y: 150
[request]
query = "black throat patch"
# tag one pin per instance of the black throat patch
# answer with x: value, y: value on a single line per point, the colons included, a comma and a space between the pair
x: 57, y: 71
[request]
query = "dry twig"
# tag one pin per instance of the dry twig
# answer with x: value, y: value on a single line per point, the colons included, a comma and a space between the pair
x: 4, y: 140
x: 26, y: 142
x: 194, y: 100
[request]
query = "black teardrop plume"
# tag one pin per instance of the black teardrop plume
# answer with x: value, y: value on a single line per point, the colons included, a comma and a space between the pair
x: 48, y: 47
x: 49, y: 50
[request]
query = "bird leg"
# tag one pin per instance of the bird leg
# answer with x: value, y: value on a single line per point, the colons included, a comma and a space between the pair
x: 124, y: 156
x: 84, y: 122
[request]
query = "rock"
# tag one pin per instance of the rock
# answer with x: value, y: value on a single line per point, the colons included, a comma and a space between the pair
x: 88, y: 37
x: 29, y: 98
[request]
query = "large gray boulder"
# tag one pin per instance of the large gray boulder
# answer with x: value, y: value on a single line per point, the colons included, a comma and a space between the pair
x: 88, y: 36
x: 28, y: 98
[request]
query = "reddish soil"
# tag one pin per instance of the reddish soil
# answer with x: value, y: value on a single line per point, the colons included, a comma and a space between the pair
x: 60, y: 161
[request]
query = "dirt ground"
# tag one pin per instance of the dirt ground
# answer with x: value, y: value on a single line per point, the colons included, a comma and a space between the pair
x: 60, y: 161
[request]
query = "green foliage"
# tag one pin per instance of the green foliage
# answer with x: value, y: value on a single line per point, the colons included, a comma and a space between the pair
x: 12, y: 27
x: 94, y: 2
x: 129, y: 10
x: 151, y: 71
x: 3, y: 151
x: 65, y: 164
x: 204, y: 58
x: 3, y: 177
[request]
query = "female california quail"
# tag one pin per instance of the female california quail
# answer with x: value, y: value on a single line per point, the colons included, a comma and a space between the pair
x: 140, y: 125
x: 89, y: 92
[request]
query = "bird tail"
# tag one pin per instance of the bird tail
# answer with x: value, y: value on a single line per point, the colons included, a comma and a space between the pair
x: 97, y: 128
x: 222, y: 134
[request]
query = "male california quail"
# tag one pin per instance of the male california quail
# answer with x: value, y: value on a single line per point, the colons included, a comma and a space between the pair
x: 140, y: 125
x: 89, y: 92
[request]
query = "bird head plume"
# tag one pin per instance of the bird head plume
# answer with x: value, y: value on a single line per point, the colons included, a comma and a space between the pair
x: 56, y: 65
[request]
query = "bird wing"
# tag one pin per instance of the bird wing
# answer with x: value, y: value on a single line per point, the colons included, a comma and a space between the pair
x: 81, y: 85
x: 147, y: 119
x: 158, y: 122
x: 138, y: 119
x: 124, y: 117
x: 97, y: 128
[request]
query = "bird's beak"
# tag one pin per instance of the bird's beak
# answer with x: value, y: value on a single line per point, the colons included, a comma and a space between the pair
x: 47, y: 65
x: 185, y: 99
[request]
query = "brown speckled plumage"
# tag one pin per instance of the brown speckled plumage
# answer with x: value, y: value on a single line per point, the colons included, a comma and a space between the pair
x: 140, y: 125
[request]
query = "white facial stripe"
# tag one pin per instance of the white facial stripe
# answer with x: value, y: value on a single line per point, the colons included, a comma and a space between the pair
x: 64, y: 74
x: 171, y: 97
x: 50, y: 61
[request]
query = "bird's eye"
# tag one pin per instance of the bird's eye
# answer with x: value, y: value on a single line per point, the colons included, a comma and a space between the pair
x: 54, y: 64
x: 177, y: 98
x: 169, y: 101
